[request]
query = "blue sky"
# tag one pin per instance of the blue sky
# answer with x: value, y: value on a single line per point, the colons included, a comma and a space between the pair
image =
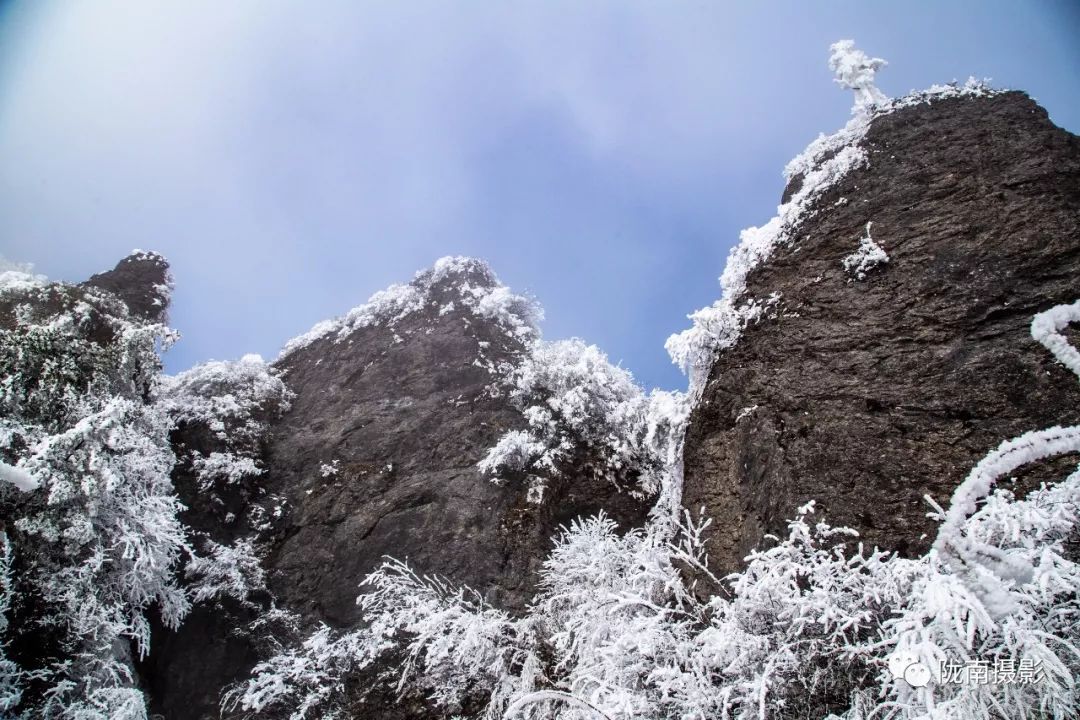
x: 292, y: 158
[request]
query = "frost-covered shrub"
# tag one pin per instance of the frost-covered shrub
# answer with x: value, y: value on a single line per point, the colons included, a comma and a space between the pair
x: 219, y: 571
x: 95, y: 536
x: 868, y: 256
x: 808, y: 630
x: 233, y: 401
x: 1024, y: 615
x: 11, y: 677
x: 584, y: 412
x: 452, y: 643
x: 855, y: 70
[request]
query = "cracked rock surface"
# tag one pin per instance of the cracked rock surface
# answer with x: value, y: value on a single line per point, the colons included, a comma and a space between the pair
x: 872, y: 393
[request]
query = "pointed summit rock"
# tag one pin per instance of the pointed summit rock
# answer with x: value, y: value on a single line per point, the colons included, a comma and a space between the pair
x: 142, y: 281
x: 396, y: 402
x: 896, y: 350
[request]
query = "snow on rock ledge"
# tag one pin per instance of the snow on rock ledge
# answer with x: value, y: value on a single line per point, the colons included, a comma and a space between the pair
x: 823, y: 164
x: 472, y: 285
x: 873, y: 394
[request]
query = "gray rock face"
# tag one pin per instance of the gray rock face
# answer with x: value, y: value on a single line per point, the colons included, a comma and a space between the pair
x: 377, y: 456
x: 404, y: 413
x: 872, y: 393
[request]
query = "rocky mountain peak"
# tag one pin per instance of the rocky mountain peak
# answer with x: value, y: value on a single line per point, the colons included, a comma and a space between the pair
x: 882, y: 344
x: 142, y: 280
x: 459, y: 287
x: 370, y: 447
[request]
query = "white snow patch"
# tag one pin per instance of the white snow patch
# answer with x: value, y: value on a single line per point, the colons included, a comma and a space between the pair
x: 869, y: 256
x: 518, y: 314
x: 18, y: 477
x: 745, y: 412
x: 855, y: 70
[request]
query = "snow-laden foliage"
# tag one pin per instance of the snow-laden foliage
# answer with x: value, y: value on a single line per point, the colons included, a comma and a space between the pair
x: 987, y: 571
x: 855, y: 70
x: 866, y: 258
x: 11, y: 678
x: 453, y: 646
x: 225, y: 571
x: 234, y: 401
x: 808, y: 630
x: 719, y: 326
x: 1046, y: 328
x: 583, y: 411
x: 474, y: 289
x: 1013, y: 603
x: 826, y: 161
x: 816, y: 626
x: 18, y: 277
x: 95, y: 536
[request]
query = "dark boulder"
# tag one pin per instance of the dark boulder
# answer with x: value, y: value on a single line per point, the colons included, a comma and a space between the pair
x: 866, y: 395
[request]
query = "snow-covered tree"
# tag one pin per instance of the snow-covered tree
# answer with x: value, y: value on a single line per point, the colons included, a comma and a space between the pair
x: 584, y: 413
x: 855, y: 70
x: 93, y: 537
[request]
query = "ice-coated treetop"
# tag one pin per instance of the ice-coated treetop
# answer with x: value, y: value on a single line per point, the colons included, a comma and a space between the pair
x: 855, y: 70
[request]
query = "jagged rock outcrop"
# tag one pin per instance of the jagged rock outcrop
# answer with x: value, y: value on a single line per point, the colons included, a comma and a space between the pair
x: 378, y: 457
x: 141, y: 281
x: 390, y: 409
x: 865, y: 394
